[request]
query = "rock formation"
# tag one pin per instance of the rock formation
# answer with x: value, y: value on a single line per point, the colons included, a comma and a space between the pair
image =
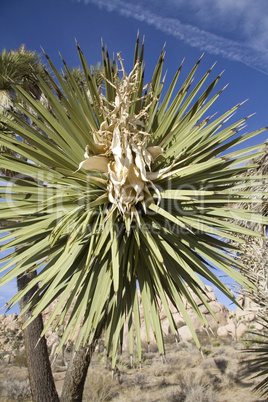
x: 230, y: 323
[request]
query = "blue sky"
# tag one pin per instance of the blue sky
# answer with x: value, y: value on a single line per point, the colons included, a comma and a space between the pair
x: 232, y: 33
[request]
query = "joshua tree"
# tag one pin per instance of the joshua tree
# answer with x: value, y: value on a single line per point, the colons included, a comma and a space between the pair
x: 253, y: 253
x: 79, y: 76
x: 128, y: 203
x: 20, y: 67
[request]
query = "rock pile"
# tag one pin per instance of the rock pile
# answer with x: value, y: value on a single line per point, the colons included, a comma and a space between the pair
x: 229, y: 323
x: 241, y: 320
x: 11, y: 339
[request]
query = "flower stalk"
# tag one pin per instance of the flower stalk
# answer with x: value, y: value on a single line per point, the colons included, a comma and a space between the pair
x: 121, y: 142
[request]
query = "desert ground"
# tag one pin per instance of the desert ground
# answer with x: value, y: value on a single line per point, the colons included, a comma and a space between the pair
x: 183, y: 375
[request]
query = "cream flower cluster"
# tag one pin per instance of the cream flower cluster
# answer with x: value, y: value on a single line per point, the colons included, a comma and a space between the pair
x: 123, y: 156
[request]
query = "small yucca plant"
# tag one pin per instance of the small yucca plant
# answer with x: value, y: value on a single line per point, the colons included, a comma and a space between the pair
x: 130, y: 195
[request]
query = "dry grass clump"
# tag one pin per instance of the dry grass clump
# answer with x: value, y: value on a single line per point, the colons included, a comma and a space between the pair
x: 194, y: 388
x: 100, y: 386
x: 15, y: 389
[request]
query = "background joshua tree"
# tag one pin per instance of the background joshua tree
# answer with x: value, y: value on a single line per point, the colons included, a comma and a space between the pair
x: 254, y: 256
x: 21, y: 67
x: 18, y: 67
x: 78, y: 75
x: 254, y: 252
x: 127, y: 207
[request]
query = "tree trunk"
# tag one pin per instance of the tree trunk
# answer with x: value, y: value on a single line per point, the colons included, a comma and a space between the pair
x: 41, y: 379
x: 76, y: 374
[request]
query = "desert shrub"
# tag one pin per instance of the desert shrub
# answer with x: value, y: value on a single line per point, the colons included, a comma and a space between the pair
x: 250, y: 339
x: 159, y: 370
x: 208, y: 363
x: 203, y: 337
x: 195, y: 388
x: 140, y: 379
x: 206, y: 351
x: 170, y: 338
x: 20, y: 360
x: 221, y: 364
x: 200, y: 393
x: 182, y: 345
x: 100, y: 357
x: 149, y: 347
x: 215, y: 342
x: 180, y: 324
x: 16, y: 389
x: 99, y: 387
x: 11, y: 332
x: 17, y: 344
x: 123, y: 364
x: 148, y: 357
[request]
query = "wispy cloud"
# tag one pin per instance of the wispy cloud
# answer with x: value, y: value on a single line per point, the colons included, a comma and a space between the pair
x: 246, y: 19
x: 250, y: 25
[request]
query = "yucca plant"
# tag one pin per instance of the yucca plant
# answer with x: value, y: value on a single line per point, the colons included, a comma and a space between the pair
x: 130, y: 201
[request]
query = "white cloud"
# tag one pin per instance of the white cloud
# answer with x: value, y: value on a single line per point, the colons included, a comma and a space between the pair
x: 250, y: 24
